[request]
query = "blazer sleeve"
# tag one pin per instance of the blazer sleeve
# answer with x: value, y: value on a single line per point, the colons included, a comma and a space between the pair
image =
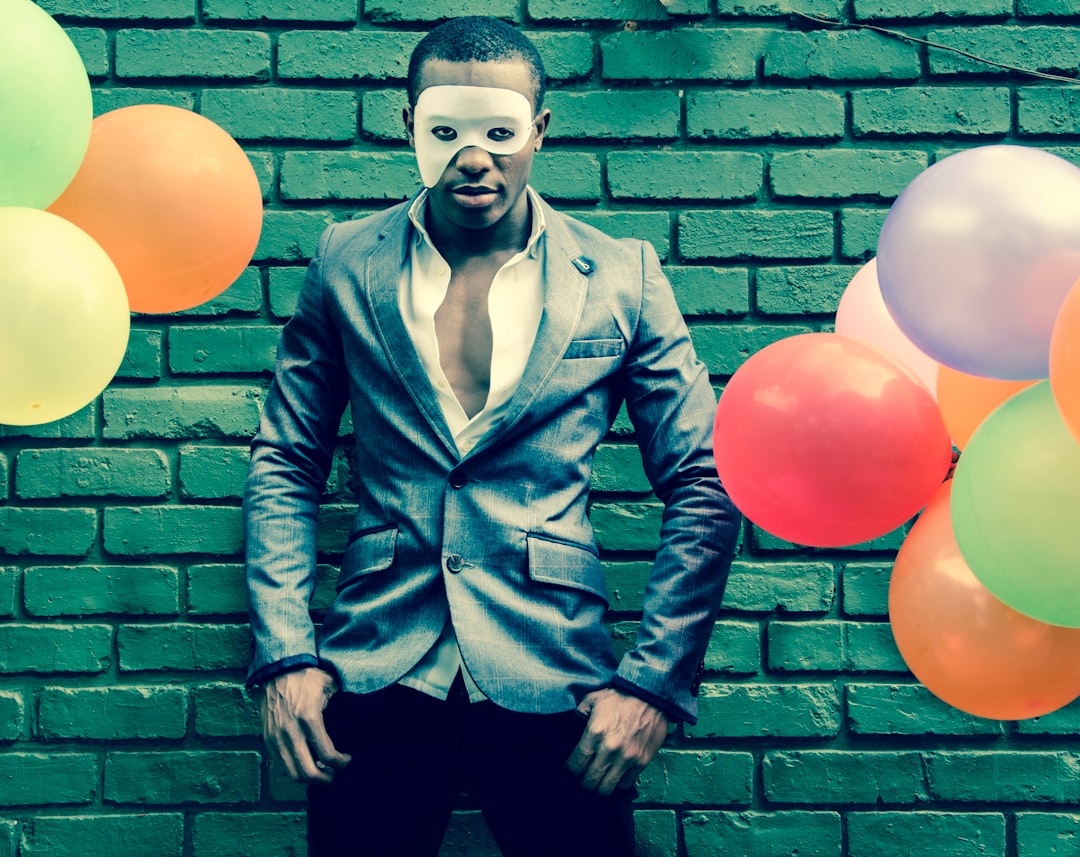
x: 291, y: 458
x: 672, y: 406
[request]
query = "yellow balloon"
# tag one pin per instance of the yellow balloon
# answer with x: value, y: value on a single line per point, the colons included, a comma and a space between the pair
x: 64, y: 317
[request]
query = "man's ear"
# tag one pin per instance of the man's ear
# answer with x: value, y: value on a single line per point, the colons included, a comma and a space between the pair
x: 540, y: 126
x: 407, y: 118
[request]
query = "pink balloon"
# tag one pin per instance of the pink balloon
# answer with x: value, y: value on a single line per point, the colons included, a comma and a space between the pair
x: 862, y: 315
x: 825, y: 441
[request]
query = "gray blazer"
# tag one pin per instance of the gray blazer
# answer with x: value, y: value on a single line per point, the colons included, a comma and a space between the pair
x: 498, y: 539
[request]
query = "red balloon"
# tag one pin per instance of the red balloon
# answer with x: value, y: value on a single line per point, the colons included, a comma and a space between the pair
x: 966, y: 646
x: 825, y: 441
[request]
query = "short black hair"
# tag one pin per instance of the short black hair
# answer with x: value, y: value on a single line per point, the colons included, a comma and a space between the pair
x: 480, y: 38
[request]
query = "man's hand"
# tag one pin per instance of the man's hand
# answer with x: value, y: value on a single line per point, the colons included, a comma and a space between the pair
x: 621, y: 738
x: 292, y: 716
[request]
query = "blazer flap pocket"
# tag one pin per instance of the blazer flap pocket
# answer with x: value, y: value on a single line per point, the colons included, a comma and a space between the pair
x: 566, y: 564
x: 367, y: 553
x: 580, y: 348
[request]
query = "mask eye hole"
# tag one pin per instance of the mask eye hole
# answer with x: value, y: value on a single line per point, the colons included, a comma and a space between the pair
x: 444, y: 133
x: 500, y: 135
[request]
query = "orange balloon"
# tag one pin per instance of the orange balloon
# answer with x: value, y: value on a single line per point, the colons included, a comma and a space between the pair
x: 1065, y: 360
x: 966, y: 400
x: 966, y: 646
x: 172, y: 199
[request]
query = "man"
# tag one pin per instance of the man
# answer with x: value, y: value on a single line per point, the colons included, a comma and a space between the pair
x: 485, y: 344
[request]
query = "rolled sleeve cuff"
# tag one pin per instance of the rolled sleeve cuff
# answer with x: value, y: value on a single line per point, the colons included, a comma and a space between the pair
x: 261, y: 676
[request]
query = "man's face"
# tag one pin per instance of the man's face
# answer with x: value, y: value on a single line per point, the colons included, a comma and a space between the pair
x: 475, y: 135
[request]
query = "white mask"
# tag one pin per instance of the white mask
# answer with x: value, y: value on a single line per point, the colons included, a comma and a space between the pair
x: 497, y: 120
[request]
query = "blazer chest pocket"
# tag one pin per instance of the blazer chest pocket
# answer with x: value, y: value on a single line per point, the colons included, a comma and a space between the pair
x: 366, y: 554
x: 566, y: 564
x: 582, y: 348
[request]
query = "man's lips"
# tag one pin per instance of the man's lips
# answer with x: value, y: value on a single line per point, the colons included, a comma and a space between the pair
x: 474, y: 195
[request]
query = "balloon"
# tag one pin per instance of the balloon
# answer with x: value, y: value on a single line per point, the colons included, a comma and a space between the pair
x: 1065, y: 361
x: 966, y: 646
x: 64, y: 317
x: 174, y: 201
x: 825, y: 441
x: 1015, y: 498
x: 966, y: 400
x: 45, y: 107
x: 977, y: 254
x: 862, y: 315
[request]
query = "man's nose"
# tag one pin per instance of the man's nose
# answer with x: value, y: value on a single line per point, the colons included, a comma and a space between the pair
x: 473, y: 159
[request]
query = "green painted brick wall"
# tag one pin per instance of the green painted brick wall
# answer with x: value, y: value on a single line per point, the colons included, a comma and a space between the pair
x: 759, y: 152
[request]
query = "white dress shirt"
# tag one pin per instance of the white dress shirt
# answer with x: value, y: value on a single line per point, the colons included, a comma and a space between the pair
x: 515, y: 303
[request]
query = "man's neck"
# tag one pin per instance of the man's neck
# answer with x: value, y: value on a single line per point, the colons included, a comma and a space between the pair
x: 461, y: 244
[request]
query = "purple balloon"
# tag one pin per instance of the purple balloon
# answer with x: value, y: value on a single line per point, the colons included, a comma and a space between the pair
x: 977, y: 255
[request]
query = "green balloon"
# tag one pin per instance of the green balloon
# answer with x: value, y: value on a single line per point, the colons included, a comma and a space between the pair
x: 1015, y: 507
x: 45, y: 107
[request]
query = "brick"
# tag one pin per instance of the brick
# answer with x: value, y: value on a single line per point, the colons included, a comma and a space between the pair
x: 277, y: 114
x: 684, y: 175
x: 468, y: 833
x: 1051, y: 110
x: 865, y: 588
x: 181, y: 413
x: 802, y: 290
x: 619, y: 468
x: 734, y: 649
x: 815, y: 646
x: 967, y: 111
x: 160, y: 833
x: 46, y: 532
x: 626, y: 582
x: 763, y: 834
x: 222, y: 349
x: 216, y: 588
x: 80, y: 425
x: 28, y: 779
x: 766, y: 542
x: 370, y: 176
x: 12, y: 716
x: 608, y: 10
x: 9, y: 831
x: 908, y: 709
x: 724, y: 348
x: 225, y: 711
x: 352, y: 55
x: 142, y: 360
x: 183, y: 647
x: 380, y: 114
x: 698, y: 776
x: 213, y: 472
x: 870, y: 647
x: 291, y: 236
x: 869, y: 10
x: 64, y: 473
x: 843, y: 776
x: 244, y: 296
x: 760, y: 114
x: 217, y: 54
x: 95, y: 589
x: 92, y: 44
x: 1064, y: 721
x: 383, y: 11
x: 1004, y: 777
x: 566, y: 56
x: 702, y: 290
x: 626, y: 526
x: 843, y: 55
x: 567, y: 176
x: 4, y: 470
x: 168, y: 778
x: 155, y: 530
x: 766, y: 710
x: 325, y: 11
x: 616, y: 115
x: 766, y: 8
x: 1041, y: 8
x: 651, y: 226
x: 1046, y: 834
x: 112, y: 713
x: 948, y: 834
x: 152, y: 10
x: 756, y: 234
x: 263, y: 163
x: 859, y: 231
x: 655, y: 833
x: 55, y: 648
x: 1050, y: 49
x: 684, y: 54
x: 844, y: 173
x: 114, y: 98
x: 8, y: 579
x: 268, y: 834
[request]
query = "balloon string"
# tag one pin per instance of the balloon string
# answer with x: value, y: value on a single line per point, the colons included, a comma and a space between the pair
x: 896, y: 34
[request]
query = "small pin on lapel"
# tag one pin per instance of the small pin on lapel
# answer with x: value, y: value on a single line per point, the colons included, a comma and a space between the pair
x: 583, y: 264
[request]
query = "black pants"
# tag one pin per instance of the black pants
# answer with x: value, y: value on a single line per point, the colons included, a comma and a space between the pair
x: 413, y: 754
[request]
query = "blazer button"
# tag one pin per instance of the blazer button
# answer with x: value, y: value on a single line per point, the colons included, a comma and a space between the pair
x: 458, y: 479
x: 454, y: 563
